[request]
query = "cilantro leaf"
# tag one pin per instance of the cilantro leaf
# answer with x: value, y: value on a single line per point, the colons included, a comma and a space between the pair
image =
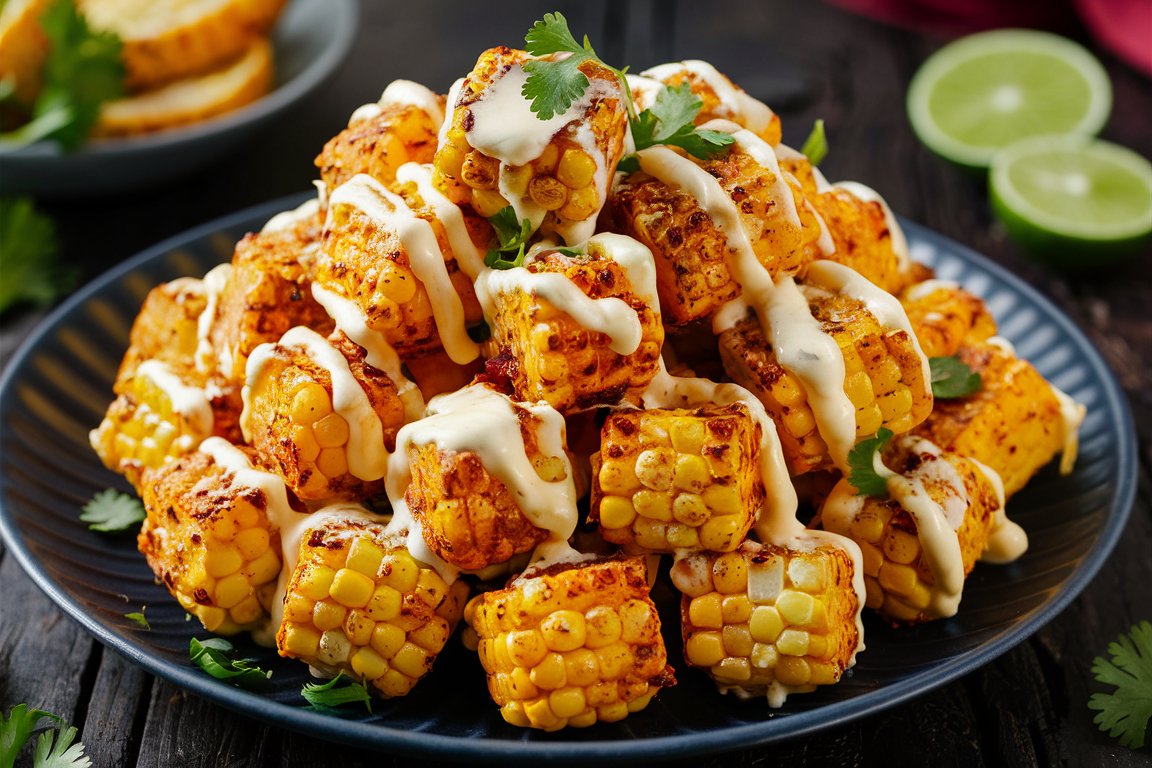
x: 863, y: 475
x: 669, y: 121
x: 1125, y: 712
x: 952, y: 378
x: 28, y: 252
x: 552, y: 86
x: 111, y: 511
x: 328, y: 696
x: 512, y: 235
x: 816, y: 145
x: 61, y: 754
x: 214, y: 656
x: 551, y: 35
x: 16, y: 729
x: 139, y: 619
x: 83, y: 70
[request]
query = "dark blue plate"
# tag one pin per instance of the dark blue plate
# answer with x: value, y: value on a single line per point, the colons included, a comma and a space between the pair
x: 59, y: 384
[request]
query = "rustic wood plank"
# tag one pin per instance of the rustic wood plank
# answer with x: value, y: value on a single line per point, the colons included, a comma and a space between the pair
x: 116, y: 711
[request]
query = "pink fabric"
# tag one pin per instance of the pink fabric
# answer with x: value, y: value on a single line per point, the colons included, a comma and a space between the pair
x: 1122, y: 26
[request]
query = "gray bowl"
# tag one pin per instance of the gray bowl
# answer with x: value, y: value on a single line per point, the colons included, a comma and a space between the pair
x: 310, y: 40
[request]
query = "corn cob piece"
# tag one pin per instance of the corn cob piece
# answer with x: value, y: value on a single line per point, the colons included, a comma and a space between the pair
x: 359, y: 603
x: 866, y: 236
x: 912, y: 571
x: 678, y: 479
x: 884, y: 377
x: 165, y: 329
x: 266, y: 291
x: 946, y: 317
x: 547, y: 353
x: 691, y: 243
x: 721, y: 97
x: 209, y: 539
x: 1016, y: 423
x: 321, y: 416
x: 397, y: 264
x: 572, y: 645
x: 157, y: 417
x: 769, y: 619
x: 490, y: 152
x: 399, y: 128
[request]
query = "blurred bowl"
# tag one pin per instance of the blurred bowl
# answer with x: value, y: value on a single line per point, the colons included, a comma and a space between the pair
x: 310, y: 40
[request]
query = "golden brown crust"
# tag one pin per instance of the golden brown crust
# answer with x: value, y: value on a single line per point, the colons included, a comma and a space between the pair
x: 378, y: 146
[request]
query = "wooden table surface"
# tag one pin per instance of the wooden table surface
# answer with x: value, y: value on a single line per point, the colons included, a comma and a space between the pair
x: 807, y: 60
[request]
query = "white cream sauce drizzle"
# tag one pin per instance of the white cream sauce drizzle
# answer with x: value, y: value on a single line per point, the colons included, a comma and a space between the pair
x: 486, y: 423
x: 286, y: 221
x: 403, y: 93
x: 214, y: 283
x: 735, y: 103
x: 926, y: 288
x: 379, y: 353
x: 190, y: 402
x: 1007, y: 541
x: 366, y: 454
x: 467, y: 255
x: 799, y: 341
x: 424, y: 256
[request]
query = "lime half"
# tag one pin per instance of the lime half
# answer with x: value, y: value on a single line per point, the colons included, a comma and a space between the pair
x: 986, y: 91
x: 1073, y: 199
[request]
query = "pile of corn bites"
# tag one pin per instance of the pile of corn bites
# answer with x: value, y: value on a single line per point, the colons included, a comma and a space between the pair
x: 462, y: 383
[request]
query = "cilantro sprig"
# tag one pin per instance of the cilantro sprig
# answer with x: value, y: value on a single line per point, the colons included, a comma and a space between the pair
x: 327, y: 696
x: 215, y: 656
x: 512, y: 235
x: 863, y: 475
x: 952, y: 378
x: 816, y: 145
x: 1124, y: 713
x: 28, y: 251
x: 111, y: 511
x: 139, y: 619
x: 669, y: 121
x: 83, y: 70
x: 54, y: 747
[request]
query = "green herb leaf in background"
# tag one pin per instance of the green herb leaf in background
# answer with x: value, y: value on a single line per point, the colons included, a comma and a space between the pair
x: 329, y: 696
x: 1125, y: 712
x: 139, y: 619
x: 863, y: 475
x: 214, y: 656
x: 111, y: 511
x: 669, y: 121
x: 952, y: 378
x: 816, y: 145
x: 512, y: 235
x: 53, y: 750
x: 28, y: 253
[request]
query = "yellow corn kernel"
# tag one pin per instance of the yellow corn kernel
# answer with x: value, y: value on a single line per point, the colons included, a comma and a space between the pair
x: 563, y: 630
x: 247, y: 610
x: 764, y: 656
x: 450, y: 160
x: 730, y: 573
x: 581, y: 667
x: 615, y: 659
x: 636, y: 620
x: 601, y: 627
x: 900, y: 579
x: 872, y: 559
x: 795, y: 607
x: 901, y: 546
x: 765, y: 624
x: 734, y: 669
x: 526, y: 648
x: 691, y: 473
x: 546, y: 163
x: 332, y: 462
x: 792, y: 642
x: 581, y: 204
x: 327, y: 615
x: 411, y: 660
x: 297, y: 608
x: 387, y: 639
x: 311, y: 402
x: 616, y: 512
x: 222, y: 561
x: 550, y: 672
x: 737, y: 640
x: 358, y: 627
x: 689, y: 509
x: 317, y: 582
x: 736, y: 609
x: 521, y: 685
x: 352, y: 588
x: 650, y: 534
x: 480, y: 171
x: 706, y: 611
x: 401, y: 572
x: 231, y: 590
x: 395, y: 683
x: 246, y: 515
x: 430, y: 587
x: 331, y: 431
x: 576, y: 168
x: 867, y: 527
x: 704, y: 649
x: 681, y: 536
x: 225, y: 529
x: 721, y: 534
x: 611, y: 713
x: 722, y: 499
x: 547, y: 192
x: 817, y: 645
x: 252, y: 542
x: 302, y: 641
x: 566, y: 702
x: 654, y: 468
x: 488, y: 203
x: 654, y: 506
x: 432, y: 636
x: 687, y: 435
x: 368, y: 664
x: 541, y: 716
x: 334, y: 648
x: 364, y: 556
x: 807, y: 575
x: 515, y: 180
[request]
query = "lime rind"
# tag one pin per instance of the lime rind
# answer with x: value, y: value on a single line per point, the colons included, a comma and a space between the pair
x: 1006, y: 41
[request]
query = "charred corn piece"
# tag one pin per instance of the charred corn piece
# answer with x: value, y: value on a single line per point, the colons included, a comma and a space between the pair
x: 399, y: 128
x: 692, y: 250
x: 208, y: 537
x: 157, y: 417
x: 720, y: 96
x: 359, y: 603
x: 435, y: 373
x: 912, y: 574
x: 683, y: 479
x: 266, y: 290
x: 884, y: 377
x: 573, y: 645
x: 769, y: 619
x: 396, y: 263
x: 946, y: 317
x: 489, y: 155
x: 1016, y: 423
x: 542, y: 347
x: 320, y: 416
x: 165, y: 329
x: 867, y: 237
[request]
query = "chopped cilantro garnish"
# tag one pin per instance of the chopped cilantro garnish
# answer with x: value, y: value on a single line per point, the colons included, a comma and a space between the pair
x: 863, y: 475
x: 552, y: 86
x: 111, y: 511
x: 214, y: 656
x: 329, y: 696
x: 54, y: 747
x: 139, y: 619
x: 669, y: 121
x: 952, y: 378
x: 83, y: 71
x: 1125, y: 712
x: 512, y: 235
x: 816, y: 145
x: 28, y: 252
